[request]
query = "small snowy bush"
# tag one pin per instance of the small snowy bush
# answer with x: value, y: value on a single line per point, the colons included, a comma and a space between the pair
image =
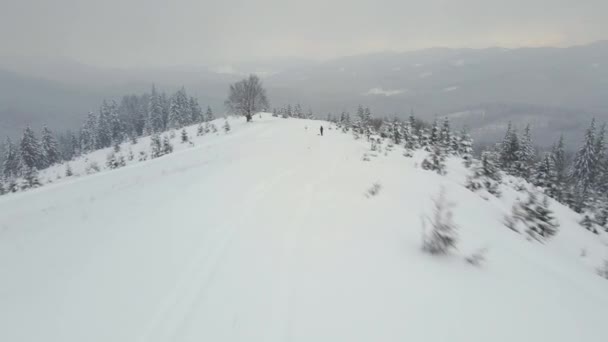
x: 443, y: 235
x: 373, y: 191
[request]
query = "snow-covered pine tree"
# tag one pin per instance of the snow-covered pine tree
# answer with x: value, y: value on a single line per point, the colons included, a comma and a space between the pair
x: 11, y: 167
x: 396, y: 131
x: 559, y: 161
x: 310, y: 115
x: 68, y: 170
x: 31, y: 151
x: 445, y: 136
x: 213, y: 128
x: 155, y: 121
x: 509, y: 149
x: 435, y: 135
x: 196, y: 111
x: 117, y: 127
x: 584, y: 168
x: 536, y: 216
x: 180, y: 113
x: 485, y: 174
x: 297, y: 111
x: 226, y: 126
x: 103, y: 132
x: 465, y: 147
x: 50, y: 149
x: 200, y: 130
x: 30, y: 178
x: 588, y: 223
x: 435, y: 161
x: 443, y: 235
x: 209, y: 114
x: 167, y: 146
x: 546, y: 225
x: 88, y: 133
x: 545, y: 175
x: 525, y: 155
x: 184, y: 136
x: 156, y: 147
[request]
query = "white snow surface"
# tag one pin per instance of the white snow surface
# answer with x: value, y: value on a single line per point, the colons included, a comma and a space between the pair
x: 264, y: 234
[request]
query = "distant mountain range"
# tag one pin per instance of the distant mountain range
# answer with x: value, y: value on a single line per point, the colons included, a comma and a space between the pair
x: 557, y: 90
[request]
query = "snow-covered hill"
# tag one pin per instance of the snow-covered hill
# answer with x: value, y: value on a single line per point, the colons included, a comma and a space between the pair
x: 265, y: 234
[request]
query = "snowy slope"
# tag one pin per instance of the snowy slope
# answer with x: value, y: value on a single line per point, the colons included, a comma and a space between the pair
x: 264, y: 234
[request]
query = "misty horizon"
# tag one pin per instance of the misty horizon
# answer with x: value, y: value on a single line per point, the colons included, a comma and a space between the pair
x: 187, y: 32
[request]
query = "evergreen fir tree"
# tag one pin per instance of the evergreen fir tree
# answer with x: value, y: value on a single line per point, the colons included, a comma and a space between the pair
x: 209, y: 114
x: 200, y: 130
x: 435, y: 137
x: 435, y: 161
x: 443, y: 235
x: 30, y: 178
x: 445, y: 136
x: 525, y: 155
x: 180, y: 113
x: 88, y: 133
x: 584, y: 167
x: 509, y: 149
x: 588, y: 223
x: 167, y: 147
x: 50, y: 148
x: 545, y: 175
x: 156, y: 146
x: 226, y: 126
x: 485, y: 175
x: 12, y: 161
x: 197, y: 112
x: 155, y: 122
x: 104, y: 126
x: 559, y: 161
x: 184, y: 136
x: 31, y: 152
x: 68, y: 170
x: 465, y: 147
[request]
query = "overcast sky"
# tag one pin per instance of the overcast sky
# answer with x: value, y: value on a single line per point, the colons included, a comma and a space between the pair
x: 200, y: 32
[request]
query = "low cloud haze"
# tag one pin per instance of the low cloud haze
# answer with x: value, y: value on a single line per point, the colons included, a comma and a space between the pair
x: 194, y: 32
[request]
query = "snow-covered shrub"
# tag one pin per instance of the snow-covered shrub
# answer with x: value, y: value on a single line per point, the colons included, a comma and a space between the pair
x: 485, y: 175
x: 92, y: 167
x: 374, y: 190
x: 435, y: 161
x: 535, y: 216
x: 130, y: 155
x: 12, y: 185
x: 68, y: 170
x: 184, y: 136
x: 226, y: 126
x: 142, y: 156
x: 602, y: 271
x: 115, y: 161
x: 213, y: 128
x: 477, y: 258
x: 443, y: 235
x: 200, y: 130
x: 167, y: 147
x: 156, y: 146
x: 30, y: 179
x: 589, y: 222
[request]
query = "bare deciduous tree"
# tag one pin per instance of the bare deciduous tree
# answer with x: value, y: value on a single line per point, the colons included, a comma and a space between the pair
x: 247, y: 97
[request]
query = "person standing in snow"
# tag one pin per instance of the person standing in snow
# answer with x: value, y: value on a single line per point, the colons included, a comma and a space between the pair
x: 321, y: 130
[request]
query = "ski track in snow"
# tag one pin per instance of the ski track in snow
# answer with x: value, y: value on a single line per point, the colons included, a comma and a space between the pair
x: 264, y: 234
